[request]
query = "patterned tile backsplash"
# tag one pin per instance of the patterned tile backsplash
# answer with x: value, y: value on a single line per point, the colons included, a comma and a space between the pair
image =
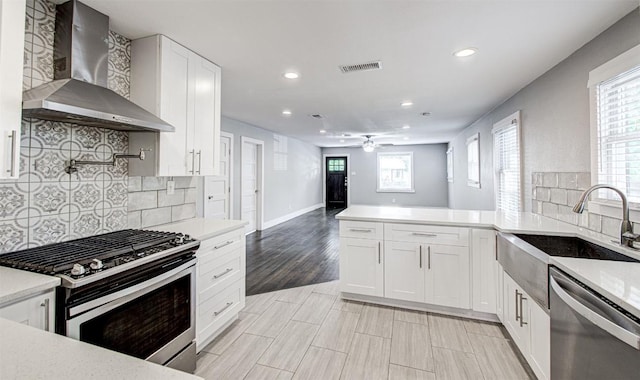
x: 46, y: 204
x: 555, y: 194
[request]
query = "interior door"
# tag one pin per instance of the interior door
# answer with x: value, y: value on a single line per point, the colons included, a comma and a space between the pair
x: 336, y: 192
x: 217, y: 189
x: 249, y: 202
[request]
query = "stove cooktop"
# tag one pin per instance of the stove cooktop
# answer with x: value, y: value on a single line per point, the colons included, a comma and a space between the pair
x: 83, y: 257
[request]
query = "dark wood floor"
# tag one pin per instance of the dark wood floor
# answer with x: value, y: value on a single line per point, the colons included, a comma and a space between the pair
x: 301, y: 251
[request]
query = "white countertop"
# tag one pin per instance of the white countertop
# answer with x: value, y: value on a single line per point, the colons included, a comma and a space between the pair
x: 29, y: 353
x: 202, y: 229
x: 616, y: 280
x: 16, y: 284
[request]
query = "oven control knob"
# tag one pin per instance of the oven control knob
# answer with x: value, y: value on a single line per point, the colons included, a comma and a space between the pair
x: 179, y: 239
x: 77, y: 270
x: 96, y: 264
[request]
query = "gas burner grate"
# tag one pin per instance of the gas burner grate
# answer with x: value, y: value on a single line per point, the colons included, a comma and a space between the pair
x: 59, y: 257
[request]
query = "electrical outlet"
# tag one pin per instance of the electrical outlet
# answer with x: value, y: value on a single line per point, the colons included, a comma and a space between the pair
x: 171, y: 187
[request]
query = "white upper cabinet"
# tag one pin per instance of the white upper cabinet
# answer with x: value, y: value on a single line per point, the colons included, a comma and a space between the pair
x: 11, y: 57
x: 182, y: 89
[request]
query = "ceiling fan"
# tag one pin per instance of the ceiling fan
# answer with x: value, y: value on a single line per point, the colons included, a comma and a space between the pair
x: 368, y: 145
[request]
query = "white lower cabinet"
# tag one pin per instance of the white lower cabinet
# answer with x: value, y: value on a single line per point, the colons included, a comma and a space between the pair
x: 404, y: 271
x: 36, y: 311
x: 529, y: 326
x: 220, y: 284
x: 499, y: 281
x: 362, y: 266
x: 484, y: 271
x: 447, y: 279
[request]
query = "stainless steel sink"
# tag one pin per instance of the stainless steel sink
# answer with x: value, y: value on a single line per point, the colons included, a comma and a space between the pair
x: 526, y: 259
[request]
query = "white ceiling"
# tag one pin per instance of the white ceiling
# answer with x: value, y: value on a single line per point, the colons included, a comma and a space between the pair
x: 255, y: 42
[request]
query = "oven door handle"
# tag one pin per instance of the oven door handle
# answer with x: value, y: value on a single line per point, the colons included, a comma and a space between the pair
x: 125, y: 295
x: 607, y: 325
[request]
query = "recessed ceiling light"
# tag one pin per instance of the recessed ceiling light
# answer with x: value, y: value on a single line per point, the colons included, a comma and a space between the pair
x: 341, y: 141
x: 291, y: 75
x: 406, y: 127
x: 286, y: 113
x: 406, y: 138
x: 323, y: 131
x: 406, y: 104
x: 465, y: 52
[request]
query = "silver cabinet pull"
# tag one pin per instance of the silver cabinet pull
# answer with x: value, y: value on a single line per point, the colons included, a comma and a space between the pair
x: 223, y: 245
x: 516, y: 305
x: 47, y: 308
x: 522, y: 322
x: 223, y: 273
x: 379, y: 253
x: 216, y: 313
x: 360, y: 229
x: 429, y: 257
x: 420, y: 256
x: 424, y: 234
x: 12, y: 170
x: 193, y: 161
x: 199, y: 161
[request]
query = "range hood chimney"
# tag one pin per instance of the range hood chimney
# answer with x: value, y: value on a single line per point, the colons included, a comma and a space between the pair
x: 79, y: 92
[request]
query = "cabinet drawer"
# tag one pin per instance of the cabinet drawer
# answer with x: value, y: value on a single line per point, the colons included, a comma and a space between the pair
x: 427, y: 234
x: 217, y: 274
x: 220, y: 245
x: 218, y: 310
x: 361, y: 230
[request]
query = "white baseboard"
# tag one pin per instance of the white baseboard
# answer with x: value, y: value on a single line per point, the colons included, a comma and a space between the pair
x: 284, y: 218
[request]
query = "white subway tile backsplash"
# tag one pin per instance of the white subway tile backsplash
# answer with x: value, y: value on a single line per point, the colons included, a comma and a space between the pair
x: 190, y: 195
x: 164, y: 199
x: 185, y: 182
x: 573, y: 196
x: 550, y: 179
x: 566, y: 214
x: 611, y: 226
x: 567, y: 180
x: 154, y: 183
x: 143, y: 200
x: 134, y: 219
x: 185, y: 211
x: 550, y: 210
x: 584, y: 180
x: 543, y: 194
x: 135, y: 184
x: 559, y: 196
x: 595, y: 222
x: 155, y: 217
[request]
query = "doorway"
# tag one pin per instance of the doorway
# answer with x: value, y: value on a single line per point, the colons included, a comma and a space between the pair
x: 218, y: 198
x: 336, y: 182
x: 252, y: 183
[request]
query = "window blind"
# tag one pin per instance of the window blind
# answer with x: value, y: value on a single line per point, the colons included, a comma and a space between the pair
x: 506, y: 148
x: 618, y: 134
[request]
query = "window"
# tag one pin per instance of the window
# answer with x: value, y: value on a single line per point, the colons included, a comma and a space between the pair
x: 395, y: 172
x: 506, y: 163
x: 473, y: 161
x: 450, y: 165
x: 336, y: 165
x: 615, y: 102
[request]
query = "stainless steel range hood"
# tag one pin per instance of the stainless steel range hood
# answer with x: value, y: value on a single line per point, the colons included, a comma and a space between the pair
x: 79, y: 93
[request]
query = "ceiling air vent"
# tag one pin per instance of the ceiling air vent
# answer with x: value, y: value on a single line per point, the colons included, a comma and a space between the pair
x: 377, y: 65
x: 316, y: 116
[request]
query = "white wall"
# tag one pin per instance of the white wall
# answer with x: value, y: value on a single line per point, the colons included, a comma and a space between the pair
x: 555, y: 119
x: 295, y: 184
x: 430, y: 171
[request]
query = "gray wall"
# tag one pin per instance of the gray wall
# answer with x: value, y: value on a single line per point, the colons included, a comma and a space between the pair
x: 555, y: 119
x: 430, y: 172
x: 285, y: 190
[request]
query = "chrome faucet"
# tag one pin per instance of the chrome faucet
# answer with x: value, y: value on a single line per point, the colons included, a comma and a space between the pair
x: 627, y: 237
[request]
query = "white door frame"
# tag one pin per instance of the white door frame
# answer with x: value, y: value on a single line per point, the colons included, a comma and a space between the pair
x: 324, y: 177
x: 230, y: 136
x: 260, y: 199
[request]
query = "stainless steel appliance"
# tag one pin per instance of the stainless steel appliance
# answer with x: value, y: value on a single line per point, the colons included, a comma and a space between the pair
x: 131, y: 291
x: 591, y: 337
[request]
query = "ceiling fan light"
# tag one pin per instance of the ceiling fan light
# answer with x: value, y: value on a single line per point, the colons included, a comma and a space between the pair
x: 368, y: 146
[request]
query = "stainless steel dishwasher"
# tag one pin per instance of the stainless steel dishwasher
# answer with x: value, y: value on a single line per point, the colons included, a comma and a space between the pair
x: 591, y: 338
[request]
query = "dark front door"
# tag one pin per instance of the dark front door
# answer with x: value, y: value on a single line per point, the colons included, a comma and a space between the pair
x: 336, y: 168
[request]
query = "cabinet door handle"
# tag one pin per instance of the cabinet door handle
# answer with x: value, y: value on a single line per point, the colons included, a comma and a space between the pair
x: 199, y: 161
x: 379, y: 253
x: 216, y: 313
x: 429, y: 257
x: 193, y: 161
x: 522, y: 322
x: 12, y: 170
x: 420, y: 256
x: 223, y: 244
x: 223, y: 273
x: 424, y: 234
x: 360, y: 229
x: 516, y: 305
x: 46, y: 306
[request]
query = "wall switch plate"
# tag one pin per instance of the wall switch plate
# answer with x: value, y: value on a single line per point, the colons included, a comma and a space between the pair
x: 171, y: 187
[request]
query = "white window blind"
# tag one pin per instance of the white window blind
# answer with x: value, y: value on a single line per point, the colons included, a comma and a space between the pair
x: 618, y: 134
x: 506, y: 148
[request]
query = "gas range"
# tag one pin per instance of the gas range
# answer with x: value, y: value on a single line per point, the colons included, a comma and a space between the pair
x: 83, y: 261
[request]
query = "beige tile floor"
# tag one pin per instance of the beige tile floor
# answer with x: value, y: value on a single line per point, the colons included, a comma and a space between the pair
x: 310, y: 333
